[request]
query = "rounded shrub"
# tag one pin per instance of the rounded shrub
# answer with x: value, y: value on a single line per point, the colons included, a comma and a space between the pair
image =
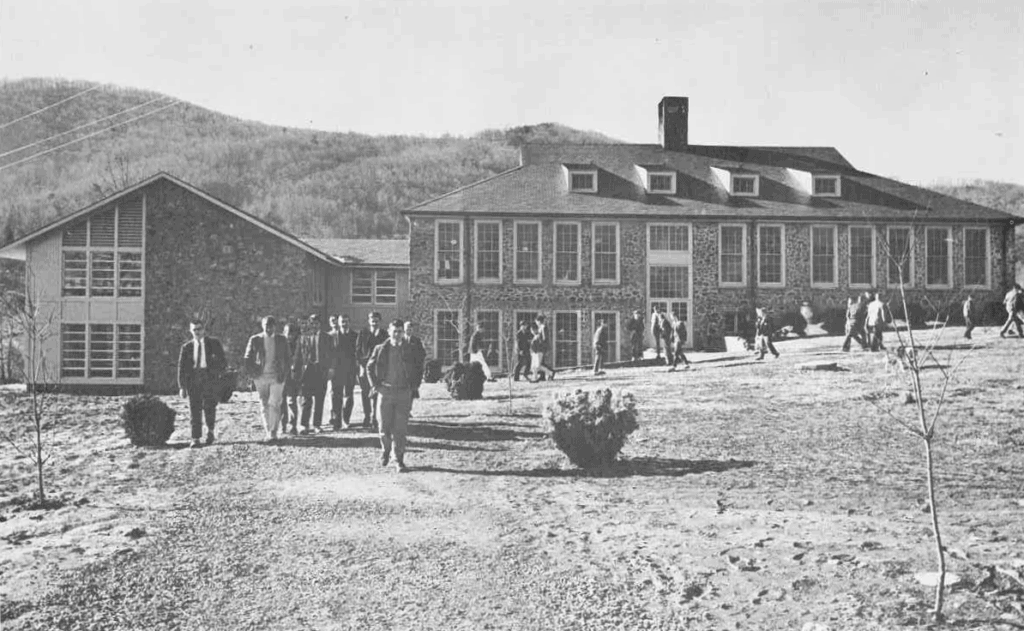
x: 432, y: 371
x: 591, y: 427
x: 147, y: 420
x: 466, y: 381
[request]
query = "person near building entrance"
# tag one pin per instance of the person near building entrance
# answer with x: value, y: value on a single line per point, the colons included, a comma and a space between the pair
x: 764, y: 328
x: 1014, y: 303
x: 600, y: 346
x: 656, y: 325
x: 876, y: 322
x: 313, y: 365
x: 523, y: 338
x: 267, y: 362
x: 346, y: 373
x: 666, y: 337
x: 679, y: 336
x: 968, y: 311
x: 201, y: 366
x: 394, y: 372
x: 538, y: 347
x: 369, y: 338
x: 635, y: 329
x: 478, y: 350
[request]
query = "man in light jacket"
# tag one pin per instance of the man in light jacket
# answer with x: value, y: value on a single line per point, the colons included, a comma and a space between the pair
x: 267, y: 361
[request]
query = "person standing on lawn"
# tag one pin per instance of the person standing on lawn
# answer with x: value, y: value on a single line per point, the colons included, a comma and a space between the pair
x: 968, y: 310
x: 1014, y: 303
x: 290, y: 396
x: 679, y: 336
x: 523, y: 337
x: 656, y: 324
x: 394, y: 372
x: 538, y: 347
x: 764, y: 328
x: 201, y: 366
x: 478, y: 349
x: 314, y: 365
x: 267, y: 362
x: 635, y: 328
x: 876, y: 322
x: 600, y: 346
x: 854, y: 326
x: 369, y: 338
x: 419, y: 351
x: 346, y: 373
x: 666, y: 337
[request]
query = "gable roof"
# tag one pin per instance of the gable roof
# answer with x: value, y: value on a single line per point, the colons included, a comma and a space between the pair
x: 365, y: 252
x: 538, y: 187
x: 17, y: 249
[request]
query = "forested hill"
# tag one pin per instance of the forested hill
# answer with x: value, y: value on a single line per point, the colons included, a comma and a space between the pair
x: 308, y: 182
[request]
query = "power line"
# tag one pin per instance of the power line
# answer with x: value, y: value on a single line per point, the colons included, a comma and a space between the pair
x: 30, y: 114
x: 97, y: 133
x: 74, y: 129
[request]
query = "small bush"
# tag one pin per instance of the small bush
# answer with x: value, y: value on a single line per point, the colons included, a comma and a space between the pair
x: 591, y: 427
x: 147, y: 420
x: 832, y: 320
x: 466, y: 381
x: 432, y: 371
x: 916, y: 315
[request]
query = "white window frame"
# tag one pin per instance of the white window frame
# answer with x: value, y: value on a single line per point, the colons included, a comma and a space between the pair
x: 114, y: 379
x: 462, y: 252
x: 782, y: 262
x: 618, y: 253
x: 499, y: 335
x: 909, y: 281
x: 753, y: 176
x: 515, y: 256
x: 671, y: 190
x: 663, y: 224
x: 614, y: 315
x: 835, y: 255
x: 460, y: 324
x: 837, y: 179
x: 116, y: 250
x: 743, y: 239
x: 591, y: 172
x: 374, y: 293
x: 476, y: 252
x: 579, y: 253
x: 554, y: 336
x: 949, y: 258
x: 849, y: 256
x: 987, y: 258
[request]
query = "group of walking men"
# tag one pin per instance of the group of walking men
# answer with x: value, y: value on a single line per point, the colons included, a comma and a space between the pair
x: 866, y: 317
x: 667, y: 329
x: 292, y: 372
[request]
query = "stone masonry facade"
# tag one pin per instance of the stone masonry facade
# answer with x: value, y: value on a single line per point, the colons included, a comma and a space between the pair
x: 202, y: 261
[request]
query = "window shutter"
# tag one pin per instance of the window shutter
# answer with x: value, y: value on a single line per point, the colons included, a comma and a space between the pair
x: 76, y: 236
x: 102, y: 233
x: 129, y: 223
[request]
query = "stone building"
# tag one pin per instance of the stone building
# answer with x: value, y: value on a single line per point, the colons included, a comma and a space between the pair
x: 373, y: 276
x: 118, y: 281
x: 588, y: 232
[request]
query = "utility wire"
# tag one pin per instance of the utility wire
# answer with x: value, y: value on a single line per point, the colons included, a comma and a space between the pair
x: 97, y: 133
x: 30, y: 114
x: 74, y: 129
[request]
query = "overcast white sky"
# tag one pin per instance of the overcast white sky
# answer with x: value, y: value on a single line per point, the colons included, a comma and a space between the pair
x: 924, y: 90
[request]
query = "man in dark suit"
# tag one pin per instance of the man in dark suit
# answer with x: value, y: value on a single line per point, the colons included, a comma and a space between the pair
x: 394, y: 372
x: 268, y: 363
x: 313, y: 366
x: 523, y: 338
x: 346, y: 372
x: 201, y: 367
x: 369, y: 338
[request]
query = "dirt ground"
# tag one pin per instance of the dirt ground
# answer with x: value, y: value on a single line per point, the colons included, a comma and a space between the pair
x: 755, y: 495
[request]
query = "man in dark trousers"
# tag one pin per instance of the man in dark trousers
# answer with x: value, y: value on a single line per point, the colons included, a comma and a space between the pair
x: 635, y: 329
x: 201, y: 367
x: 968, y: 308
x: 346, y: 373
x: 369, y: 338
x: 313, y: 366
x: 523, y: 338
x: 1013, y: 304
x: 856, y: 314
x: 600, y: 346
x: 679, y: 336
x: 394, y: 373
x: 656, y: 324
x: 419, y: 352
x: 290, y: 404
x: 764, y: 328
x: 666, y: 337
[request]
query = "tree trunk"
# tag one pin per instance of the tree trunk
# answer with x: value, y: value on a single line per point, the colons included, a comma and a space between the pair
x: 940, y: 555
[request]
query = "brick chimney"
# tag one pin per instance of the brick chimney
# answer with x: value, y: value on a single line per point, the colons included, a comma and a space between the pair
x: 673, y: 121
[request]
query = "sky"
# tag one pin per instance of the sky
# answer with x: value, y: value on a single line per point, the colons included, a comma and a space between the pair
x: 929, y: 91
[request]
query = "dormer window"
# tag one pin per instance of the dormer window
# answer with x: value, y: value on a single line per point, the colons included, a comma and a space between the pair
x: 657, y: 180
x: 581, y: 178
x: 745, y: 185
x: 826, y: 186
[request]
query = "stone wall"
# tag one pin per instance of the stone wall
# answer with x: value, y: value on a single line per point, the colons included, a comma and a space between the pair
x: 203, y: 261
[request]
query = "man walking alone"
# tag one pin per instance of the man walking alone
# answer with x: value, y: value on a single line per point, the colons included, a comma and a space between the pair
x: 394, y: 373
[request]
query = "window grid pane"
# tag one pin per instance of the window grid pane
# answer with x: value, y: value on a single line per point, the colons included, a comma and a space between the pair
x: 899, y: 255
x: 448, y: 246
x: 606, y: 252
x: 362, y: 287
x: 660, y: 183
x: 527, y: 252
x: 743, y: 184
x: 937, y: 256
x: 101, y: 231
x: 567, y: 255
x: 488, y: 251
x: 611, y: 319
x: 129, y: 274
x: 862, y: 260
x: 669, y: 281
x: 670, y: 238
x: 489, y: 327
x: 129, y: 223
x: 387, y: 287
x: 567, y: 336
x: 975, y: 256
x: 77, y: 236
x: 823, y: 251
x: 769, y: 250
x: 76, y: 273
x: 447, y: 336
x: 129, y: 351
x: 72, y: 350
x: 732, y: 254
x: 101, y: 351
x: 582, y: 181
x: 102, y: 277
x: 824, y: 186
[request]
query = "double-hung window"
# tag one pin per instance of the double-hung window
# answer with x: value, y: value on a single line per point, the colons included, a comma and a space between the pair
x: 448, y: 336
x: 567, y: 339
x: 899, y: 254
x: 823, y: 256
x: 606, y: 253
x: 938, y: 257
x: 862, y: 256
x: 732, y: 255
x: 374, y: 287
x: 448, y: 251
x: 527, y: 251
x: 976, y: 262
x: 567, y: 253
x: 102, y: 255
x: 771, y: 255
x: 488, y: 252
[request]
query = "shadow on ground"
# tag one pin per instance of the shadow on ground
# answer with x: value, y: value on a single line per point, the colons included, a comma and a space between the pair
x: 646, y: 467
x: 463, y: 432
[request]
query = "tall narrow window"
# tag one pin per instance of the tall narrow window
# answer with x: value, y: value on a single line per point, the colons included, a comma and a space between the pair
x: 447, y: 337
x: 731, y: 248
x: 862, y: 256
x: 386, y: 287
x: 488, y: 251
x: 567, y: 339
x: 567, y: 253
x: 101, y: 351
x: 976, y: 257
x: 937, y: 253
x: 899, y: 256
x: 128, y: 356
x: 769, y: 255
x: 73, y: 350
x: 362, y: 286
x: 490, y: 327
x: 606, y: 253
x: 823, y: 255
x: 611, y: 318
x: 448, y: 251
x: 527, y: 252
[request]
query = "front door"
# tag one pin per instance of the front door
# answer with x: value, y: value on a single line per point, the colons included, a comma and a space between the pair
x: 669, y: 286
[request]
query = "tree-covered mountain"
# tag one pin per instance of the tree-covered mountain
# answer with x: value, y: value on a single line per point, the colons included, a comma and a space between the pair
x: 309, y: 182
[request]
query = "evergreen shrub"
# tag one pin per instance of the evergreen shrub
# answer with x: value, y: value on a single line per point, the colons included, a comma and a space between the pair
x: 147, y: 420
x: 591, y: 427
x: 466, y: 381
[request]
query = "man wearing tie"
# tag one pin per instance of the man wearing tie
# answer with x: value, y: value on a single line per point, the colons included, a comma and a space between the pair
x: 268, y: 363
x: 346, y: 371
x: 201, y: 366
x: 314, y: 364
x: 369, y: 338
